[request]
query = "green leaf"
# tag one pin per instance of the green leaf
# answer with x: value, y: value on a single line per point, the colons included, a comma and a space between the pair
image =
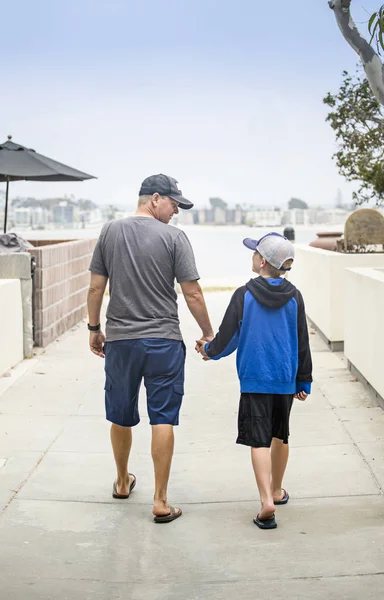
x: 381, y: 40
x: 374, y: 30
x: 371, y: 21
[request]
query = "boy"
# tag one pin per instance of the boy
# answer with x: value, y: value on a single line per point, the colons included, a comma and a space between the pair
x: 265, y: 321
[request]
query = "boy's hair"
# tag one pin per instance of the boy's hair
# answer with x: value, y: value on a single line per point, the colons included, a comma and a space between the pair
x: 276, y: 273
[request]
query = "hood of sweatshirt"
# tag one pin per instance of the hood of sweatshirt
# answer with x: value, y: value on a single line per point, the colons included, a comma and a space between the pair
x: 273, y: 296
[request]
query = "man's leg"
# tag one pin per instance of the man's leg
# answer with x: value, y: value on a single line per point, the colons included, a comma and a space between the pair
x: 123, y: 370
x: 261, y: 461
x: 164, y: 381
x: 162, y: 452
x: 279, y: 457
x: 121, y: 438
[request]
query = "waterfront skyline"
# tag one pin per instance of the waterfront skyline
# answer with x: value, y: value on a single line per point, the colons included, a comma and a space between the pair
x: 228, y: 101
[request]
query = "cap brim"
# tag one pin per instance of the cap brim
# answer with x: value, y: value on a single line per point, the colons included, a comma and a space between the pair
x: 251, y: 244
x: 182, y: 202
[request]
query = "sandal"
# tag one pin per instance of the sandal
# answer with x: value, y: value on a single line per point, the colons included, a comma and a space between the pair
x: 284, y: 499
x: 265, y: 523
x: 115, y: 494
x: 174, y: 514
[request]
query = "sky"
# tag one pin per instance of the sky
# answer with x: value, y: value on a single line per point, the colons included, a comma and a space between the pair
x: 224, y: 96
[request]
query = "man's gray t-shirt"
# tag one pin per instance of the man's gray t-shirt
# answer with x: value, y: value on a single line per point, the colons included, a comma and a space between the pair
x: 142, y: 258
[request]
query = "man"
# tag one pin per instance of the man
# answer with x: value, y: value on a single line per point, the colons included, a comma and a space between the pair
x: 142, y: 256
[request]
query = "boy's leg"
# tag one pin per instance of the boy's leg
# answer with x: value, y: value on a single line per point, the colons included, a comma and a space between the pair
x: 255, y: 430
x: 279, y: 448
x: 261, y: 461
x: 279, y: 457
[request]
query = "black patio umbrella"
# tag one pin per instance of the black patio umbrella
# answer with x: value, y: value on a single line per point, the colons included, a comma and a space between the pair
x: 20, y: 163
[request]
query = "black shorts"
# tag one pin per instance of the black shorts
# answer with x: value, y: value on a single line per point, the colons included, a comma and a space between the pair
x: 263, y: 417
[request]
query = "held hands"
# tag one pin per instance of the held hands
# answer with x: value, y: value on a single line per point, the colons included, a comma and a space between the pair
x: 96, y: 342
x: 200, y: 348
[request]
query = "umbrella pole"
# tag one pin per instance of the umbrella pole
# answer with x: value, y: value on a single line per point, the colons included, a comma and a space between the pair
x: 6, y: 207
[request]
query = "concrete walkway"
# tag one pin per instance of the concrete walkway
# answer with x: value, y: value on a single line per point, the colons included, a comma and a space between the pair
x: 62, y: 536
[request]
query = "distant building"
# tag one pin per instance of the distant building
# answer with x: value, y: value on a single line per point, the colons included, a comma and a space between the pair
x: 65, y: 213
x: 234, y: 216
x: 315, y: 216
x: 219, y: 216
x: 22, y: 217
x: 35, y: 218
x: 263, y: 217
x: 187, y: 217
x: 91, y: 217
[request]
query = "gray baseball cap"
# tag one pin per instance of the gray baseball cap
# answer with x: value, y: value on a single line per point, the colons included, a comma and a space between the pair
x: 165, y: 186
x: 274, y: 247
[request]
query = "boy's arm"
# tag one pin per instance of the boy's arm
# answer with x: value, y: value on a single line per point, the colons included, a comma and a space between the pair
x: 227, y: 338
x: 304, y: 371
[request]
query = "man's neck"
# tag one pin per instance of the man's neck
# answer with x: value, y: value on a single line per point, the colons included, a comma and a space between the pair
x: 144, y: 211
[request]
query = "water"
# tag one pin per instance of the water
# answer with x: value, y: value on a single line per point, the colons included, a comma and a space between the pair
x: 221, y: 258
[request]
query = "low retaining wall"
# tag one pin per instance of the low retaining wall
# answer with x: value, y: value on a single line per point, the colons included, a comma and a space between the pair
x: 17, y: 265
x: 320, y: 276
x: 61, y: 281
x: 364, y: 325
x: 11, y: 324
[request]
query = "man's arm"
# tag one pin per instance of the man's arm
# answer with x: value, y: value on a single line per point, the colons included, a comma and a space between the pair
x: 94, y: 301
x: 195, y: 301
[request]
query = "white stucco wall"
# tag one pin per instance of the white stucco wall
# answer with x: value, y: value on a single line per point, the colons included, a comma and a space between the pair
x: 11, y: 324
x: 320, y: 276
x: 364, y: 323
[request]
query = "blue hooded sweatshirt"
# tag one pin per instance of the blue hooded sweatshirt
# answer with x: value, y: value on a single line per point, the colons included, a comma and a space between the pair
x: 265, y: 321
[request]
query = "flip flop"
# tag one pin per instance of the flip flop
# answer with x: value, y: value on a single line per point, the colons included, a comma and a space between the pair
x: 124, y: 496
x: 284, y: 499
x: 265, y: 523
x: 174, y: 514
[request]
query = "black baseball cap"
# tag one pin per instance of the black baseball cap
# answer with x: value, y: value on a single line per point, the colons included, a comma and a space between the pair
x: 165, y: 186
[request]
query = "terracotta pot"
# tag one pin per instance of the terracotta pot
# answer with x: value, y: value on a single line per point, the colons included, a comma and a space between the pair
x: 327, y: 240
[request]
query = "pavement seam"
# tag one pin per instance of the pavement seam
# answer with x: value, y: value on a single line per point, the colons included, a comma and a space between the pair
x: 203, y: 503
x: 197, y: 452
x: 214, y: 581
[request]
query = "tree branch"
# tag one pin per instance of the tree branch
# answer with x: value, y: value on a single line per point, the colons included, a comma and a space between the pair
x: 372, y: 64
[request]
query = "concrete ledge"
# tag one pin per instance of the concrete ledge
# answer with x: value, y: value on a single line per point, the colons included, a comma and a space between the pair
x: 333, y: 346
x: 320, y: 276
x: 379, y: 400
x: 17, y: 265
x: 11, y: 324
x: 364, y: 325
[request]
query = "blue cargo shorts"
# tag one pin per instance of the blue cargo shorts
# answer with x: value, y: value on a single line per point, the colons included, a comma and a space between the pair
x: 161, y: 363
